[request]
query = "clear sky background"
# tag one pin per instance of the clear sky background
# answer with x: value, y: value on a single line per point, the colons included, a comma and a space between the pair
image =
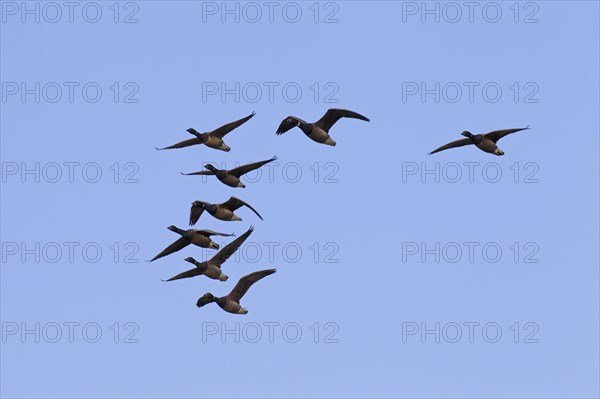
x: 370, y: 211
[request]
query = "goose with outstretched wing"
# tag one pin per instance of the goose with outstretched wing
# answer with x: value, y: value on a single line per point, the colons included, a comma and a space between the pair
x: 212, y: 267
x: 231, y: 302
x: 485, y: 142
x: 200, y: 238
x: 319, y: 130
x: 231, y: 177
x: 224, y: 211
x: 212, y: 139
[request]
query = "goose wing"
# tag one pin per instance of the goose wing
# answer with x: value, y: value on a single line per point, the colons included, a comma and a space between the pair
x: 223, y: 130
x: 246, y: 282
x: 187, y: 274
x: 202, y: 172
x: 176, y: 246
x: 334, y: 114
x: 498, y: 134
x: 209, y: 233
x: 185, y: 143
x: 287, y: 124
x: 230, y: 248
x: 457, y: 143
x: 242, y: 170
x: 195, y: 213
x: 234, y: 203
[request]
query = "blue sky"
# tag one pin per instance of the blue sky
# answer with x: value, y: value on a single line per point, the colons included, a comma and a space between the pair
x: 399, y: 274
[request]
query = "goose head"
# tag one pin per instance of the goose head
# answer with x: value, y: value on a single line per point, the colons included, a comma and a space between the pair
x: 201, y: 136
x: 199, y: 204
x: 191, y: 260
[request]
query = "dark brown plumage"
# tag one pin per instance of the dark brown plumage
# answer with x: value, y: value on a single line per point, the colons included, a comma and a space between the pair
x: 200, y: 238
x: 319, y: 130
x: 231, y: 177
x: 231, y: 302
x: 212, y: 267
x: 485, y: 142
x: 212, y: 139
x: 222, y: 211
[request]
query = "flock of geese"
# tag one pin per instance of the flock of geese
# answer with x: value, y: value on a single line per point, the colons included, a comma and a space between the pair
x: 317, y: 131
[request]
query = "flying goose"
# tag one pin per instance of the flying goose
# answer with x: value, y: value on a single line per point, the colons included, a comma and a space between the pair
x: 212, y: 139
x: 200, y: 238
x: 319, y: 130
x: 231, y: 177
x: 485, y: 142
x: 212, y: 267
x: 231, y: 302
x: 222, y: 211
